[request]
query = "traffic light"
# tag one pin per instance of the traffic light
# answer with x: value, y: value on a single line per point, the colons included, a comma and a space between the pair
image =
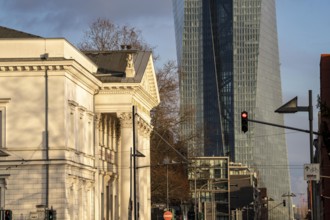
x: 244, y: 117
x: 8, y: 214
x: 284, y: 203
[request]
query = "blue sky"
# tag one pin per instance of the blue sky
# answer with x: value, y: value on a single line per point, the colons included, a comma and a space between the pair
x: 303, y: 33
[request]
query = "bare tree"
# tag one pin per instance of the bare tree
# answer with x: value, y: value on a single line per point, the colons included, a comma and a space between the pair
x: 165, y: 141
x: 104, y: 35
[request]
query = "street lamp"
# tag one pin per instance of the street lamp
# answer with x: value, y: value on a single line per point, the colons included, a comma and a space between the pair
x: 289, y: 195
x: 195, y: 208
x: 166, y: 161
x: 292, y: 107
x: 132, y: 158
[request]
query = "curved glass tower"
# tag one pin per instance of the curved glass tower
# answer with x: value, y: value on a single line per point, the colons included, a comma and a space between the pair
x: 229, y: 62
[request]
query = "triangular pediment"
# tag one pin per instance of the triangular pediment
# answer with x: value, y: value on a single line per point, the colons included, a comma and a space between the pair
x: 149, y: 81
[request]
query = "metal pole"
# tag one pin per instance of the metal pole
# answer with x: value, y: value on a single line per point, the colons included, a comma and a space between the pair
x: 310, y: 116
x: 199, y: 201
x: 310, y: 111
x: 167, y: 187
x: 134, y: 164
x: 195, y: 210
x: 46, y: 136
x: 289, y: 205
x: 130, y: 188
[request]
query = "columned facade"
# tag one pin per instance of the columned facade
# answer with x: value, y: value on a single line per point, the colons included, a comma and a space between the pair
x: 82, y: 170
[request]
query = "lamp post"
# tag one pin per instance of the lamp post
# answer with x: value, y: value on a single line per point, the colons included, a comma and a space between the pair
x: 195, y: 171
x: 292, y: 107
x: 134, y: 167
x: 195, y: 208
x: 133, y: 157
x: 166, y: 161
x: 289, y: 195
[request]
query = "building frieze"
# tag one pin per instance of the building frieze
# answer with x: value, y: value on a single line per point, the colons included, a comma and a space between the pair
x: 140, y: 95
x: 70, y: 68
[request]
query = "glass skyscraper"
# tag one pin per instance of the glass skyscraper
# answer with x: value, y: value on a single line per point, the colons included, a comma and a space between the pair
x: 229, y: 62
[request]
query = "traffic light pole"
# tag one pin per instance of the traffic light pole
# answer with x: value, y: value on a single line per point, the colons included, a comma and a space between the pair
x: 292, y: 107
x: 282, y: 126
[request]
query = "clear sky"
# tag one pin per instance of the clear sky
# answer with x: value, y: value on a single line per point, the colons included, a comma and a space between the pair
x: 303, y: 33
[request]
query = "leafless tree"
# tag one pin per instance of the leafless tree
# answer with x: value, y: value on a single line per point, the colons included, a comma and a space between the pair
x: 165, y: 141
x: 104, y: 35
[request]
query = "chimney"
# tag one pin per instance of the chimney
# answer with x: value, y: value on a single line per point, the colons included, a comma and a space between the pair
x: 126, y: 47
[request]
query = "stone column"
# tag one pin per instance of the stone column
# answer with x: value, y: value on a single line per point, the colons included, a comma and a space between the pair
x: 124, y: 157
x: 97, y: 164
x: 105, y: 131
x: 144, y: 172
x: 112, y: 192
x: 106, y: 179
x: 110, y: 133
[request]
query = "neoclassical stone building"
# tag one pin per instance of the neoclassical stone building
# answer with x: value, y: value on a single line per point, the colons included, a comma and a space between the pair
x: 67, y: 129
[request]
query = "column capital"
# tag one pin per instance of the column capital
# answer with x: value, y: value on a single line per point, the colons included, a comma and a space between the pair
x: 126, y: 119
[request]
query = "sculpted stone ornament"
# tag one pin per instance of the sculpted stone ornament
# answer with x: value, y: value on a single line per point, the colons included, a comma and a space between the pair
x: 130, y: 71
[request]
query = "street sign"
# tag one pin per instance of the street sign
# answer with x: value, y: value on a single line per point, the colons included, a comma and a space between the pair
x: 312, y: 171
x: 168, y: 215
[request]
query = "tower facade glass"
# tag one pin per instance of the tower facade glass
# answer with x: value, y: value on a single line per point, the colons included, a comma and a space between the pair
x: 229, y: 62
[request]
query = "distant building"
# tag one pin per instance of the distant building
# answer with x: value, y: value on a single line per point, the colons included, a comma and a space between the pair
x: 67, y: 129
x: 210, y: 187
x: 229, y: 62
x: 243, y: 191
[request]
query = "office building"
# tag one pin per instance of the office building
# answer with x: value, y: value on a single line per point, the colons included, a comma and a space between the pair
x: 228, y: 56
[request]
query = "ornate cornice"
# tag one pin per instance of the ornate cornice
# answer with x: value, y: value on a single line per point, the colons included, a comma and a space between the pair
x: 76, y: 71
x: 30, y: 68
x: 118, y: 89
x: 144, y: 127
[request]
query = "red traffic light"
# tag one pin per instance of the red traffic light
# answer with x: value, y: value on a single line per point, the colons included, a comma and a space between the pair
x: 244, y: 118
